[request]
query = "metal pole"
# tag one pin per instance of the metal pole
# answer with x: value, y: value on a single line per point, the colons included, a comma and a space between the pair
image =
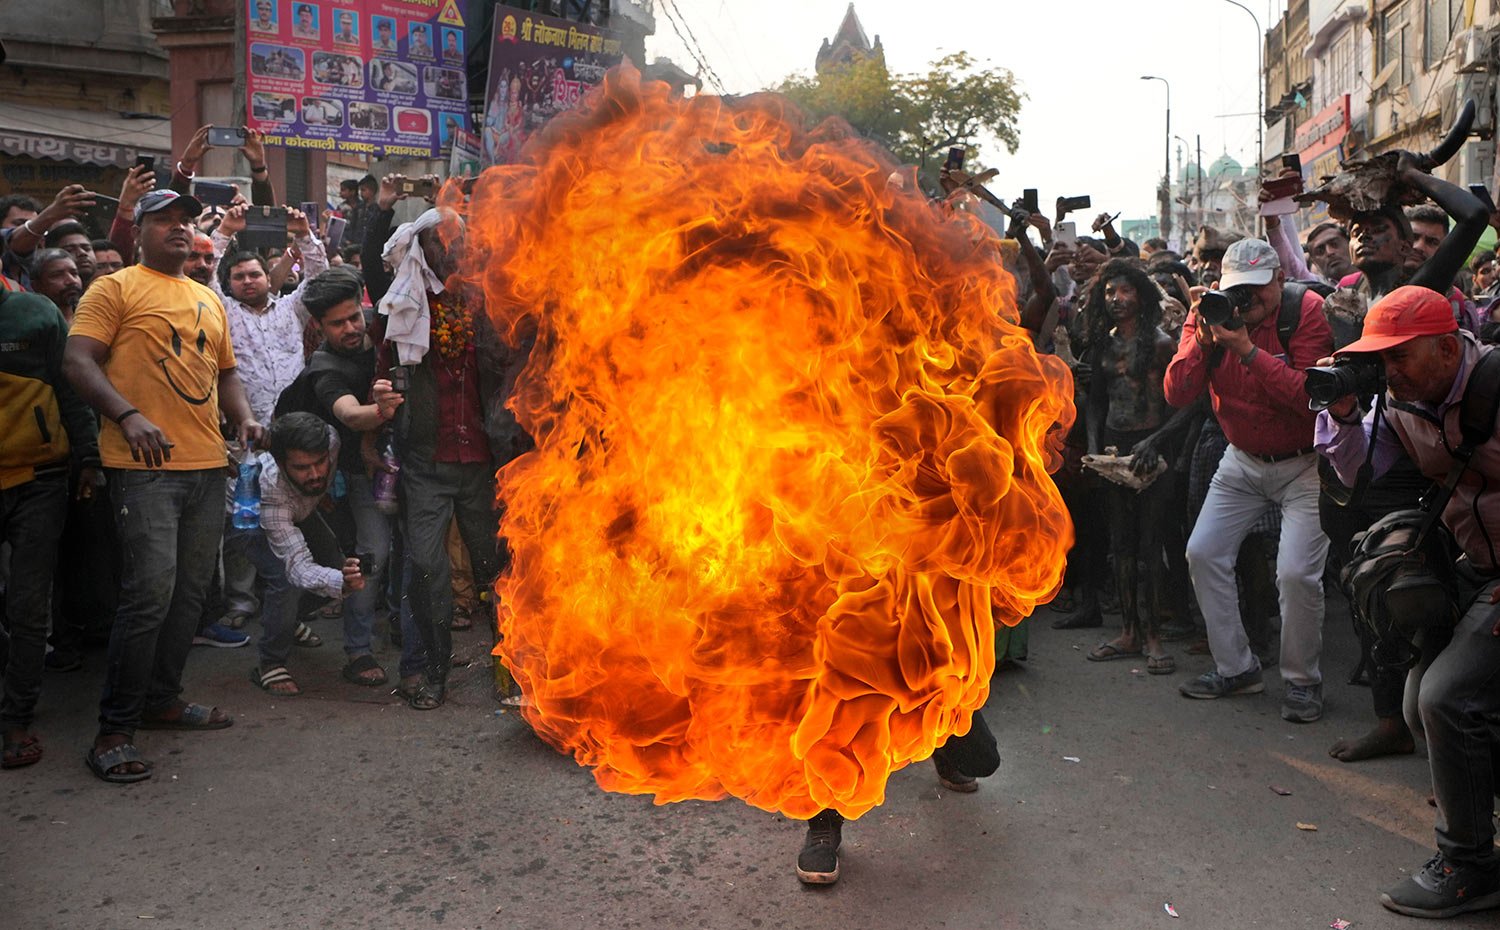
x: 1199, y: 139
x: 1260, y: 92
x: 1166, y: 161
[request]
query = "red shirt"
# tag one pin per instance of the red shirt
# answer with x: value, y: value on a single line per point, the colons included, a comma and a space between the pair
x: 460, y: 426
x: 1262, y: 405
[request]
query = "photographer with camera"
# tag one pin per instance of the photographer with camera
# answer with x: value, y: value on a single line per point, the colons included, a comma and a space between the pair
x: 1430, y: 368
x: 1246, y: 345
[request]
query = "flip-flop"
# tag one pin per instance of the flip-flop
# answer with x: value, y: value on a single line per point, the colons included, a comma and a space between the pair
x: 352, y: 672
x: 1109, y: 652
x: 1161, y: 664
x: 100, y: 764
x: 271, y: 676
x: 304, y: 636
x: 23, y: 752
x: 193, y: 717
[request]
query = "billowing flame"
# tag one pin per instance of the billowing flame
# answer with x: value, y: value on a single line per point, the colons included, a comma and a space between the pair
x: 792, y: 451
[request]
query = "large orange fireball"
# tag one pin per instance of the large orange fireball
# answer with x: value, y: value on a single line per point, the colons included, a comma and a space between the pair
x: 791, y: 451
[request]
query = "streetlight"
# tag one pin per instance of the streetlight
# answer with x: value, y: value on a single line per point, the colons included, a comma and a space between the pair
x: 1166, y: 161
x: 1260, y: 88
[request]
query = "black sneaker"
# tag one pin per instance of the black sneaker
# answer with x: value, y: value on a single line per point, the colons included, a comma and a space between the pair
x: 950, y: 777
x: 1444, y: 889
x: 818, y: 863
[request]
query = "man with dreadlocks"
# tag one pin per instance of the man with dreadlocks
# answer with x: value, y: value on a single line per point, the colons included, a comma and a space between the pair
x: 1252, y: 367
x: 1127, y: 411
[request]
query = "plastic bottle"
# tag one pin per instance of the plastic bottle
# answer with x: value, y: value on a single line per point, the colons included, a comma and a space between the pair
x: 247, y: 496
x: 384, y: 491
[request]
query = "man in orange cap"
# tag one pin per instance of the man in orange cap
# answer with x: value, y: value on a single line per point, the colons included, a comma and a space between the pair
x: 1428, y: 361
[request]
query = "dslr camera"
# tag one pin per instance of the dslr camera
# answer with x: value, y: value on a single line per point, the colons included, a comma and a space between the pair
x: 1219, y: 308
x: 1359, y: 373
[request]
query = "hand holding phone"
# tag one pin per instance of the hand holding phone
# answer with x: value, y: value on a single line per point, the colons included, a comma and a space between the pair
x: 420, y: 187
x: 227, y: 136
x: 1065, y: 234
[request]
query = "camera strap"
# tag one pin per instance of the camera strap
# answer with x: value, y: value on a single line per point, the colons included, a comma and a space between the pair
x: 1477, y: 413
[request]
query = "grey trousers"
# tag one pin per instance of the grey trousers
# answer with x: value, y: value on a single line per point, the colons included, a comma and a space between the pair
x: 1241, y: 490
x: 1456, y: 694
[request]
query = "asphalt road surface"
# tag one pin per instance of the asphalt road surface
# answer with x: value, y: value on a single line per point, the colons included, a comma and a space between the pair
x: 342, y: 808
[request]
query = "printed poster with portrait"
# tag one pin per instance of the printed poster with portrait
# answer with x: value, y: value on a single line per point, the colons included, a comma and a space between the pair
x: 539, y: 66
x: 384, y: 78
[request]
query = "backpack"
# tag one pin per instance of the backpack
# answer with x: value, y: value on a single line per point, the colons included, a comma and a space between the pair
x: 1401, y: 577
x: 1290, y: 316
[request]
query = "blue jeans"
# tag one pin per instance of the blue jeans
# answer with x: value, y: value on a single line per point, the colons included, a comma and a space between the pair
x: 31, y: 520
x: 170, y: 524
x: 281, y: 601
x: 372, y: 537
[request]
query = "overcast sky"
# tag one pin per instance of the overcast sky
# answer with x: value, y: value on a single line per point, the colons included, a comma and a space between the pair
x: 1088, y: 125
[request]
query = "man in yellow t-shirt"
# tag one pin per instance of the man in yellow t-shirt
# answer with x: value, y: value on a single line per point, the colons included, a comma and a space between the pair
x: 149, y: 350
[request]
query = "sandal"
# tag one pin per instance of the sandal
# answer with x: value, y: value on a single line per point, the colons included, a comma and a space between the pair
x: 331, y: 611
x: 462, y: 621
x: 1109, y: 652
x: 100, y: 763
x: 193, y: 717
x: 419, y: 696
x: 1160, y: 664
x: 268, y: 679
x: 306, y: 637
x: 354, y: 672
x: 21, y: 753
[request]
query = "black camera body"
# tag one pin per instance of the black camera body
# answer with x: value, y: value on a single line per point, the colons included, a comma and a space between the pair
x: 1360, y: 374
x: 1219, y: 308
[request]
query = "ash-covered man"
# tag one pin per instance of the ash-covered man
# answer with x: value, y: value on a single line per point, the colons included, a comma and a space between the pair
x: 1428, y: 362
x: 1126, y: 409
x: 292, y: 549
x: 1256, y: 386
x: 1384, y: 239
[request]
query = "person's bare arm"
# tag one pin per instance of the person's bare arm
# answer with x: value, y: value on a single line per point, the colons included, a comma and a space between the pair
x: 371, y: 416
x: 1469, y: 221
x: 83, y: 364
x: 236, y: 407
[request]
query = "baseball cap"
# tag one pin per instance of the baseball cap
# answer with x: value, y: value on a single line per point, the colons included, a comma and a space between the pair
x: 1402, y: 315
x: 160, y: 200
x: 1248, y: 261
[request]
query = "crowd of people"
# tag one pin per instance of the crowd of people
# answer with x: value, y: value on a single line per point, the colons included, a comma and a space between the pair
x: 1217, y: 495
x: 357, y: 395
x: 196, y: 367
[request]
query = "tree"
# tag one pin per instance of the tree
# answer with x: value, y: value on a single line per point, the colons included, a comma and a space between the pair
x: 916, y: 116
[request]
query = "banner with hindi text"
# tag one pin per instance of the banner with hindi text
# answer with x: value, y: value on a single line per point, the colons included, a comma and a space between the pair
x: 539, y: 66
x: 383, y: 78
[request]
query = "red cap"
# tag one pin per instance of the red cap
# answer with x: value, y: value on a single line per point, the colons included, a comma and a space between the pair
x: 1402, y: 315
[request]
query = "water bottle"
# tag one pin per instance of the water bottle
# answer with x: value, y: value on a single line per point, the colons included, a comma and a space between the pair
x: 340, y: 486
x: 247, y: 496
x: 385, y: 479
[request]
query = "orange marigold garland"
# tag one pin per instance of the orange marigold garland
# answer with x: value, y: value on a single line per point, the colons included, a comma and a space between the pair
x: 452, y: 324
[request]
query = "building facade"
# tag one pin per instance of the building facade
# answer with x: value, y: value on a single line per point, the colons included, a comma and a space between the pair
x: 83, y: 93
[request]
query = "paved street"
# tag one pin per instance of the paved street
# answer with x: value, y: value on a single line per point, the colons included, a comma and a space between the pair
x: 345, y: 809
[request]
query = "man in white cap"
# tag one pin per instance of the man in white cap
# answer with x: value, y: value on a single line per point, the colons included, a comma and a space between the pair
x: 1248, y: 349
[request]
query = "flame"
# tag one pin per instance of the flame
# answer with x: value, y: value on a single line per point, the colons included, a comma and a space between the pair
x: 792, y: 451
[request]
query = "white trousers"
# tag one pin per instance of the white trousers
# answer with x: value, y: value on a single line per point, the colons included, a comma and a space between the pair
x: 1241, y: 490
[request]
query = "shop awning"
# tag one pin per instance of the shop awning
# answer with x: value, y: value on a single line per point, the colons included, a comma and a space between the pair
x: 84, y: 137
